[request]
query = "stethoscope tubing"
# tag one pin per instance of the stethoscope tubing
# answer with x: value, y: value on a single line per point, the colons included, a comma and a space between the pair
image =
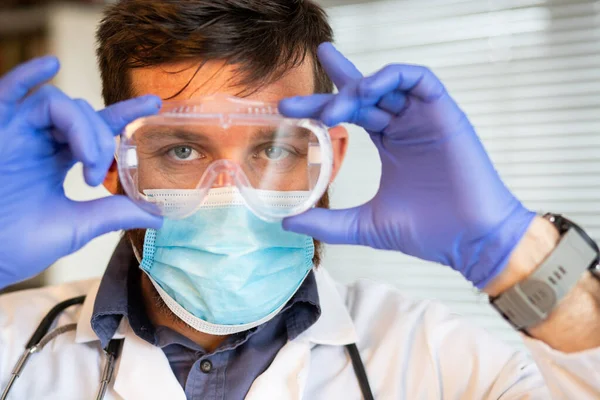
x: 40, y: 338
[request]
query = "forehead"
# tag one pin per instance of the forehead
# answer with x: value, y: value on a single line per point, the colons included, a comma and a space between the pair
x: 186, y: 81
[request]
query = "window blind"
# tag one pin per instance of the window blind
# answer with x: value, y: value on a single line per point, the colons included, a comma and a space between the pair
x: 527, y: 72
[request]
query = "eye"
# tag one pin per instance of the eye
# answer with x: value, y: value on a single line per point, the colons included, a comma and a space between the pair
x: 183, y: 153
x: 274, y: 153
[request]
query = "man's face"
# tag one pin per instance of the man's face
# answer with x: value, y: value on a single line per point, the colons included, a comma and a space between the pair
x: 183, y: 81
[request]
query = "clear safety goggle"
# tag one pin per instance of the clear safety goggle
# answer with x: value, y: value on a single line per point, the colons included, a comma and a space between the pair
x: 169, y: 162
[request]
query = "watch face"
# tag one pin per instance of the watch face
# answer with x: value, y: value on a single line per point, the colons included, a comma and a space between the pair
x: 540, y: 294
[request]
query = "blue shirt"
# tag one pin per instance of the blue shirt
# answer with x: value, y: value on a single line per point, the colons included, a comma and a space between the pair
x: 227, y: 372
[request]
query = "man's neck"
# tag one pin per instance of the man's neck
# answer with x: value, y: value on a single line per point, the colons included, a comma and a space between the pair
x: 160, y: 315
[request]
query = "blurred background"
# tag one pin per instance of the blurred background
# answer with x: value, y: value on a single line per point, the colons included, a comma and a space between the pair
x: 527, y: 72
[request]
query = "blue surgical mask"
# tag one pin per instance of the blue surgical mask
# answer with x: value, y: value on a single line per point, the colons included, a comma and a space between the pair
x: 223, y: 270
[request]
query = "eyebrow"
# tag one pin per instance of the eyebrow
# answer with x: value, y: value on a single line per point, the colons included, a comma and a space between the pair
x: 160, y: 134
x: 266, y: 134
x: 272, y: 134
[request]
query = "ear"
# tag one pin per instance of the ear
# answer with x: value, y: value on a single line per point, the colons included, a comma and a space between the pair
x: 339, y: 142
x: 112, y: 178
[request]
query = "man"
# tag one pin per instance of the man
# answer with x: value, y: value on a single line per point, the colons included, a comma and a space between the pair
x: 440, y: 199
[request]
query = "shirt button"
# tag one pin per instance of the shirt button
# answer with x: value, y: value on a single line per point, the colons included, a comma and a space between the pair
x: 206, y: 366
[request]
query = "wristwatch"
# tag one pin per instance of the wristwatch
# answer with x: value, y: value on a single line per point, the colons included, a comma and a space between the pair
x: 529, y: 302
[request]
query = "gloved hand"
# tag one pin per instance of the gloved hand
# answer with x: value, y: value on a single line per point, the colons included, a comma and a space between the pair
x: 440, y: 198
x: 42, y: 135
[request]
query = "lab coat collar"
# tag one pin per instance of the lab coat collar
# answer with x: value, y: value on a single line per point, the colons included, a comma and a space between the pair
x: 287, y: 376
x: 335, y: 326
x: 84, y: 332
x: 143, y: 370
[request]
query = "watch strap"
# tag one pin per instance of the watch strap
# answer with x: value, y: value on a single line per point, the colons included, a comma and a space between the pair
x: 531, y: 301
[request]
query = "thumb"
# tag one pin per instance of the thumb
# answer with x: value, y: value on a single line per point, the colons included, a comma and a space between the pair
x: 329, y: 226
x: 112, y: 213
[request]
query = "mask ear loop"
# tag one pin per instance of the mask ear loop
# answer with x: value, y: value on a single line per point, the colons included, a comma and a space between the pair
x: 136, y: 253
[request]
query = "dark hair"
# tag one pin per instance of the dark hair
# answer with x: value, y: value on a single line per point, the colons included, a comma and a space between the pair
x: 264, y: 38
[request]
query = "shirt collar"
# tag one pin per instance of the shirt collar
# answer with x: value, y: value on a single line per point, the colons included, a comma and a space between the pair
x: 119, y: 295
x: 304, y: 309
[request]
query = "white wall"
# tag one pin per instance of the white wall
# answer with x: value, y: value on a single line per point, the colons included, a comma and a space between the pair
x: 72, y: 31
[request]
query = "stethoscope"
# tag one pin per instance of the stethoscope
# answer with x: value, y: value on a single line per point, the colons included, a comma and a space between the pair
x: 42, y: 336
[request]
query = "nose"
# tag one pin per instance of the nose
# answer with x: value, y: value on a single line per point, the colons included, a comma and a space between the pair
x: 223, y: 174
x: 224, y: 179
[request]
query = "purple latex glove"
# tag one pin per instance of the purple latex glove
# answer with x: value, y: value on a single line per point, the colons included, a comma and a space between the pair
x: 440, y: 198
x: 42, y: 135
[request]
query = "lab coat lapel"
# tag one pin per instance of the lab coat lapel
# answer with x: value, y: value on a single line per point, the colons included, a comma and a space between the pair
x: 143, y: 372
x: 287, y: 375
x: 335, y: 326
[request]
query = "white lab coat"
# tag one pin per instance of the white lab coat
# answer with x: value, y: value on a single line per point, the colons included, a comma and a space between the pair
x: 411, y: 350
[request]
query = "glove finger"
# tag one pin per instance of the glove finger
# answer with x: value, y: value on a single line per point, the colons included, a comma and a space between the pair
x: 94, y: 175
x: 415, y: 80
x: 373, y: 119
x: 305, y: 106
x: 370, y: 118
x: 329, y: 226
x: 52, y: 109
x: 347, y: 107
x: 119, y: 115
x: 97, y: 217
x: 343, y: 107
x: 338, y: 68
x: 394, y: 102
x: 15, y: 85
